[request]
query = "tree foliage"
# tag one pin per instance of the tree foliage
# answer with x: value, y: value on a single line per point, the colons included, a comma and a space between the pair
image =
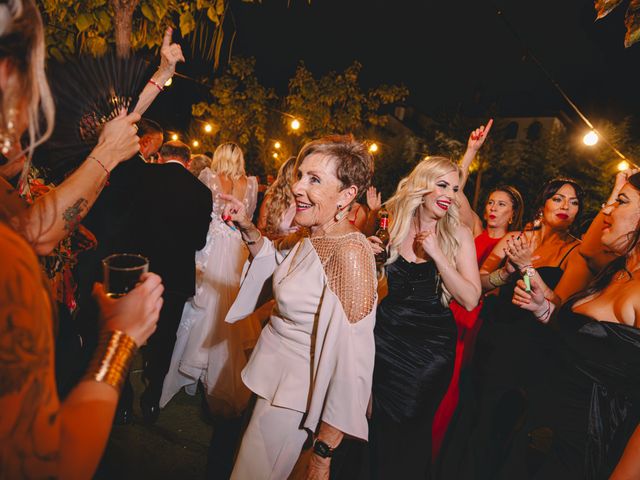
x: 631, y: 18
x: 239, y: 107
x: 336, y: 103
x: 91, y: 26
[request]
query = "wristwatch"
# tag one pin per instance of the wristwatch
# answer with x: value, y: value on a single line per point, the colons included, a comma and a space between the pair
x: 527, y: 273
x: 322, y: 449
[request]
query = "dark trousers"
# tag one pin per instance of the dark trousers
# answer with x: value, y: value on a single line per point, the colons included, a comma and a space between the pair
x: 157, y: 353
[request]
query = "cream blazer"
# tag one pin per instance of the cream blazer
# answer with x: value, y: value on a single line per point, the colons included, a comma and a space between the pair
x: 309, y: 357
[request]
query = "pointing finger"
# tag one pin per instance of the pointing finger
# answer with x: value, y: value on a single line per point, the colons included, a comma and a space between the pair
x: 166, y: 41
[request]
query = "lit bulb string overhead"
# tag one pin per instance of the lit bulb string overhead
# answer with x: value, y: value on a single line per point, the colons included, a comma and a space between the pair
x: 557, y: 86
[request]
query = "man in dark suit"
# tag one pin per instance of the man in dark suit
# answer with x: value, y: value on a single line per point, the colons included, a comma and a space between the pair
x: 163, y: 212
x: 174, y: 211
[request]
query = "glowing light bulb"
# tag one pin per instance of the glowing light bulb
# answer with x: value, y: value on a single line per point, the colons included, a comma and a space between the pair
x: 208, y: 128
x: 275, y: 155
x: 373, y: 148
x: 295, y: 124
x: 623, y: 165
x: 195, y: 143
x: 174, y: 137
x: 590, y: 139
x: 277, y: 145
x: 168, y: 82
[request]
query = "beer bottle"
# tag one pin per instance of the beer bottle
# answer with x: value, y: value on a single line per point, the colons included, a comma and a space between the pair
x: 383, y: 234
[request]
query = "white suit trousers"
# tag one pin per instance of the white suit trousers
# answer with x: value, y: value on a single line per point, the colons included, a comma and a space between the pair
x: 271, y: 444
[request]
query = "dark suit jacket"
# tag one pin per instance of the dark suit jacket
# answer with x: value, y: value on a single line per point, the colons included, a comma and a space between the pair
x: 159, y: 211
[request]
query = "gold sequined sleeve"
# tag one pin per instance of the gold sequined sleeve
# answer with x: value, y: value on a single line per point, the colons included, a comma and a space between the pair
x: 351, y: 272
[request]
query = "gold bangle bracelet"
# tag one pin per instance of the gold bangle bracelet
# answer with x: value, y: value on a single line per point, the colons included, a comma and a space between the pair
x: 111, y: 361
x: 496, y: 279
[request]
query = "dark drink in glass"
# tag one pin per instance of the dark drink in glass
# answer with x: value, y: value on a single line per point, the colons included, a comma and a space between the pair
x: 122, y: 272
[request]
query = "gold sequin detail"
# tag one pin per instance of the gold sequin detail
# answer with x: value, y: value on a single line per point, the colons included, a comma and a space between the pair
x: 350, y: 267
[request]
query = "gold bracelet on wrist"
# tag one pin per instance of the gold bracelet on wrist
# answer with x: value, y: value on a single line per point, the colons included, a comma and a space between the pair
x: 251, y: 242
x: 111, y: 361
x: 496, y: 279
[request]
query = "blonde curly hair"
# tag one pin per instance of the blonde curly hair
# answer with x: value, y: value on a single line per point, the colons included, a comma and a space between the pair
x: 279, y: 195
x: 228, y: 159
x: 408, y: 198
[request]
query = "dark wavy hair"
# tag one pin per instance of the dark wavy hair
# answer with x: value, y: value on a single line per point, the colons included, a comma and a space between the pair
x: 551, y: 188
x: 516, y: 203
x: 604, y: 278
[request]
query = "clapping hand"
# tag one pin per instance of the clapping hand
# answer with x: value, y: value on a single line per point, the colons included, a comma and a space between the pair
x: 478, y: 136
x: 519, y: 251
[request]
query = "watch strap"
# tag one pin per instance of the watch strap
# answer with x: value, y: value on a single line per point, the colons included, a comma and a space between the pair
x: 321, y: 449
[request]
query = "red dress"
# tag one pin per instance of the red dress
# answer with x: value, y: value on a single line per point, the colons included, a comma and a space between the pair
x: 468, y: 327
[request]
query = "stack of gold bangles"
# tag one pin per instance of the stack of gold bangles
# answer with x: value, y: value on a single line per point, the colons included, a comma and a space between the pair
x: 496, y: 279
x: 110, y: 364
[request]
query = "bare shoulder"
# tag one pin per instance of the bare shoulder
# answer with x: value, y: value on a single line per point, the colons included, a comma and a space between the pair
x: 464, y: 233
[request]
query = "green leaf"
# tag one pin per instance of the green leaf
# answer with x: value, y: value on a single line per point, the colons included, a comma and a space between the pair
x: 148, y: 12
x: 83, y: 22
x: 104, y: 20
x: 200, y: 4
x: 219, y: 7
x: 187, y: 24
x: 213, y: 16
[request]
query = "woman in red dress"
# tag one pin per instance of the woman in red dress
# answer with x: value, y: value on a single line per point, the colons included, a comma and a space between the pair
x: 502, y: 213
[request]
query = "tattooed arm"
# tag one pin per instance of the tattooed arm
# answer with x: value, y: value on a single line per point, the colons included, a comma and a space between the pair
x: 55, y: 215
x: 39, y: 436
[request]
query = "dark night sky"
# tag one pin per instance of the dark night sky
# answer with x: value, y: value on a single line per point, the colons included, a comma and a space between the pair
x: 450, y: 52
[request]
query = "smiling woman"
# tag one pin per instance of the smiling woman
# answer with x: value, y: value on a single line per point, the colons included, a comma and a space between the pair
x: 511, y: 340
x: 432, y: 260
x: 593, y: 415
x: 324, y: 287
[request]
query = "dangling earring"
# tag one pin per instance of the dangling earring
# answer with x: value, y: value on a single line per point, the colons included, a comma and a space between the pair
x: 510, y: 220
x: 7, y: 138
x: 340, y: 213
x: 537, y: 223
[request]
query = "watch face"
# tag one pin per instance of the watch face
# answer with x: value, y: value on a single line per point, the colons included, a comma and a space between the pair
x: 322, y: 449
x: 530, y: 271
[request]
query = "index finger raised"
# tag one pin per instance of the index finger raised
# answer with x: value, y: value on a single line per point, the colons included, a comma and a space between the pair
x: 487, y: 127
x: 166, y: 40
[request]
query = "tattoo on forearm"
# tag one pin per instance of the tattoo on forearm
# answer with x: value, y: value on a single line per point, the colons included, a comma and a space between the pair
x: 73, y: 215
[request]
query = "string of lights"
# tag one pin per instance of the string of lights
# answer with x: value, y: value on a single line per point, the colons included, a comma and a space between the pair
x: 592, y: 137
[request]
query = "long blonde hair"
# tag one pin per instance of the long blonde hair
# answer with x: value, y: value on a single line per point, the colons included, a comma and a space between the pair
x: 403, y: 207
x: 279, y: 195
x: 22, y: 43
x: 228, y: 159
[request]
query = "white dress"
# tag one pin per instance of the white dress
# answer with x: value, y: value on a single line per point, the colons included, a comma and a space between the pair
x: 207, y: 348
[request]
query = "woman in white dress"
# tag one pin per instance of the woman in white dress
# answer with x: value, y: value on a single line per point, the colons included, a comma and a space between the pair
x: 207, y: 349
x: 312, y: 366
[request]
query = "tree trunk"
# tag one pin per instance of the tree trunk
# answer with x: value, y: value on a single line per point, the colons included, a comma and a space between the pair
x: 123, y: 21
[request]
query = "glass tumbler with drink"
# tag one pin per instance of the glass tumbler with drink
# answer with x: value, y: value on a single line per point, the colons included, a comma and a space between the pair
x: 122, y: 271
